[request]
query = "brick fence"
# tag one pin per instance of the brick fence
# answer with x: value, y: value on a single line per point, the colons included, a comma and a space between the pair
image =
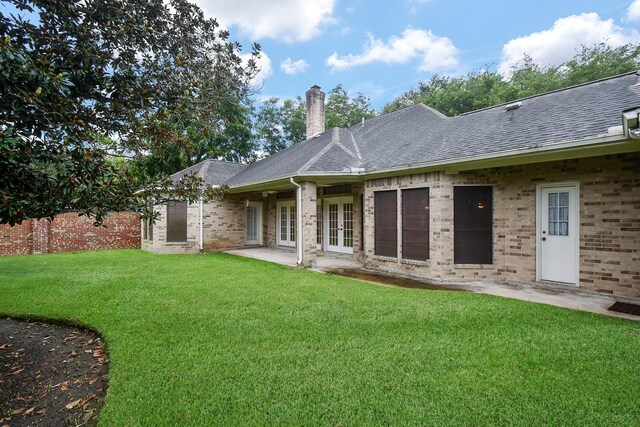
x: 70, y: 232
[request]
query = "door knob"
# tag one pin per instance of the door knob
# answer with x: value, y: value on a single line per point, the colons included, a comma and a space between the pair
x: 544, y: 239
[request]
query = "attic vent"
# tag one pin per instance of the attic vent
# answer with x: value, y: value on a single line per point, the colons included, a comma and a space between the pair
x: 512, y: 106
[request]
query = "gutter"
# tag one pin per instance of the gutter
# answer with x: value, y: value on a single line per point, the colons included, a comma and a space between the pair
x: 298, y: 220
x: 584, y: 143
x: 201, y: 237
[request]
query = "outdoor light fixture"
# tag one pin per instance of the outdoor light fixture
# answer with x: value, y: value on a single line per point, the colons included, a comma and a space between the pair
x: 631, y: 123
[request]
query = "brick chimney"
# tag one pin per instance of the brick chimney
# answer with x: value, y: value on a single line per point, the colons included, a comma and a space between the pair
x: 315, y: 111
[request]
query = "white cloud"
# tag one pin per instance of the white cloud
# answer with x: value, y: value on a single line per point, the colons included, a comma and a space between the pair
x: 264, y: 64
x: 433, y: 52
x: 291, y: 67
x: 633, y: 13
x: 287, y: 20
x: 561, y: 42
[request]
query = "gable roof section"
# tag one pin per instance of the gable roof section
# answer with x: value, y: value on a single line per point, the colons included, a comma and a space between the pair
x: 214, y: 172
x: 331, y: 151
x: 570, y: 114
x: 421, y: 135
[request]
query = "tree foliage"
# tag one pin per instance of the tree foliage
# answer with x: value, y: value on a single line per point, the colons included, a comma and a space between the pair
x: 480, y: 89
x: 280, y: 124
x: 83, y: 82
x: 343, y: 111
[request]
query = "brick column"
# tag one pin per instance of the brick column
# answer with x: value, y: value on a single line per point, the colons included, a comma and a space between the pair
x: 441, y: 226
x: 40, y: 236
x: 309, y: 230
x: 358, y: 192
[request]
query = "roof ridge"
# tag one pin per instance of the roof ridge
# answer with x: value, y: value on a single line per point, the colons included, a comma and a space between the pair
x: 551, y: 92
x: 312, y: 160
x: 342, y: 146
x: 224, y: 161
x: 204, y: 169
x: 188, y: 167
x: 353, y: 140
x: 431, y: 110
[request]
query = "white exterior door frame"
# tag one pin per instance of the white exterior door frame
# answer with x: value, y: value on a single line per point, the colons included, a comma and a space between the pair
x: 338, y: 224
x: 253, y: 224
x: 558, y: 232
x: 286, y: 223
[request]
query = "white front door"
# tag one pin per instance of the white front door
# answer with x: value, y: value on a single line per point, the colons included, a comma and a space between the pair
x: 338, y: 215
x: 253, y: 224
x: 558, y: 216
x: 286, y: 223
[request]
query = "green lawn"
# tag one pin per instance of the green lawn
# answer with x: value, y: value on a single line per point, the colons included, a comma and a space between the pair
x: 217, y: 339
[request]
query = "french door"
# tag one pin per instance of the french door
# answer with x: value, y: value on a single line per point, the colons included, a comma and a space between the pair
x: 286, y: 225
x: 338, y: 217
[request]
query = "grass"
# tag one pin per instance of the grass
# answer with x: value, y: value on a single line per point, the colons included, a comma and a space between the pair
x: 221, y: 340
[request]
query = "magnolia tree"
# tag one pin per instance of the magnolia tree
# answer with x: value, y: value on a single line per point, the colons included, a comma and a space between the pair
x: 89, y: 88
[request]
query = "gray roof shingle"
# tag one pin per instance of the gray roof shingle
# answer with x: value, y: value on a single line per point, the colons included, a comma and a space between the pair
x: 214, y: 172
x: 419, y: 134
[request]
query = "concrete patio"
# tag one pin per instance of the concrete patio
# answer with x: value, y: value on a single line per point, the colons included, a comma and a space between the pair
x: 284, y: 256
x: 344, y: 265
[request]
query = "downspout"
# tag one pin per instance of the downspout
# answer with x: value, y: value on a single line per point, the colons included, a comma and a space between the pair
x: 298, y: 219
x: 201, y: 237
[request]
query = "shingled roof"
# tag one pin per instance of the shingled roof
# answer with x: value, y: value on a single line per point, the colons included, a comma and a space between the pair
x: 419, y: 134
x: 214, y: 172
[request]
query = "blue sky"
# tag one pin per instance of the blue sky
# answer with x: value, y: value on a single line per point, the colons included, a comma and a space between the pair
x: 383, y: 48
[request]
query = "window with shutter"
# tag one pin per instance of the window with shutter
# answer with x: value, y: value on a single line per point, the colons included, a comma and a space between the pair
x: 386, y: 223
x: 177, y: 221
x: 415, y: 224
x: 473, y: 225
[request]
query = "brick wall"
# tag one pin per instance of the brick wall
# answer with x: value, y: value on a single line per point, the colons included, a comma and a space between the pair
x: 69, y: 232
x: 609, y: 222
x: 16, y: 240
x: 223, y: 227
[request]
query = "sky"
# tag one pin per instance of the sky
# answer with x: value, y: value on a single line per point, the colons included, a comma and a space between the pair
x: 384, y: 48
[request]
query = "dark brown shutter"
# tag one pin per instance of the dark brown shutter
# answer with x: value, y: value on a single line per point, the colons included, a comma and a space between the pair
x: 473, y: 225
x: 177, y: 222
x: 150, y: 232
x: 386, y: 223
x: 415, y: 224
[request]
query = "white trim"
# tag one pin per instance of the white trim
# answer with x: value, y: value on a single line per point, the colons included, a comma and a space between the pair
x: 279, y: 205
x: 299, y: 239
x: 575, y: 207
x: 201, y: 226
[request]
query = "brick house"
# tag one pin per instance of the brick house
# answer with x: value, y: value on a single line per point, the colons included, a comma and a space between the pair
x: 545, y: 189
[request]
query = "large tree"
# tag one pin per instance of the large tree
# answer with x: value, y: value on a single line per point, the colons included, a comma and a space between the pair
x: 480, y: 89
x: 343, y: 111
x: 83, y: 82
x: 279, y: 124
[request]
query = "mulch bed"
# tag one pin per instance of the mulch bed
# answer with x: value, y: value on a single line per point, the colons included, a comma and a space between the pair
x: 50, y: 374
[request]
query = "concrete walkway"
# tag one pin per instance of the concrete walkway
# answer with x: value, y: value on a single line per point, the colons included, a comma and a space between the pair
x: 343, y: 265
x: 289, y: 257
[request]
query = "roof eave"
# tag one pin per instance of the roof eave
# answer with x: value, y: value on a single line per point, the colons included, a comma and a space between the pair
x: 585, y: 147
